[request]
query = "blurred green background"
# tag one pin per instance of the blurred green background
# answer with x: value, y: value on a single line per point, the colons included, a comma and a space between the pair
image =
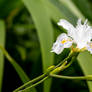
x: 28, y: 29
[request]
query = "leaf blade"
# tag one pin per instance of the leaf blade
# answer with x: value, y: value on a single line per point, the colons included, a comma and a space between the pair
x: 85, y: 61
x: 2, y: 43
x: 45, y: 33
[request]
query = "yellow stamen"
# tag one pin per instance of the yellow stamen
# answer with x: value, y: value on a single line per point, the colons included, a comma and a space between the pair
x: 63, y: 41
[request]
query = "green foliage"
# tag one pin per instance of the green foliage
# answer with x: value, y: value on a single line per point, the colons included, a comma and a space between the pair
x: 8, y: 7
x: 2, y: 43
x: 31, y: 27
x: 85, y: 60
x: 45, y: 33
x: 86, y: 6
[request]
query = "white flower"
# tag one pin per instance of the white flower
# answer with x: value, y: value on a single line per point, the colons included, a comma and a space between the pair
x: 63, y: 41
x: 81, y: 35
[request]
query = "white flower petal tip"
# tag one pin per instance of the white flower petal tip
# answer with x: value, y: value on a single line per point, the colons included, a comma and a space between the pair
x: 63, y: 41
x: 79, y: 22
x: 68, y: 26
x: 56, y: 48
x: 85, y: 21
x: 65, y: 24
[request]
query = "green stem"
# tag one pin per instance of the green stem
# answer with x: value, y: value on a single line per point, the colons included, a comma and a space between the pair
x: 65, y: 65
x: 42, y: 76
x: 19, y: 70
x: 89, y: 77
x: 72, y: 60
x: 69, y: 64
x: 30, y: 82
x: 6, y: 54
x: 68, y: 57
x: 49, y: 70
x: 58, y: 69
x: 25, y: 90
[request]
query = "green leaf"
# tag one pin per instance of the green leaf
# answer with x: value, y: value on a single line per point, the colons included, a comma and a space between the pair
x: 2, y: 43
x: 85, y: 61
x: 56, y: 15
x: 70, y: 5
x: 61, y: 11
x: 45, y: 33
x: 85, y: 7
x: 64, y: 10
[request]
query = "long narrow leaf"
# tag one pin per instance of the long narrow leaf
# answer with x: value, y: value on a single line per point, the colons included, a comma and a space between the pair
x: 2, y: 42
x: 85, y: 61
x: 53, y: 11
x: 64, y: 10
x: 45, y: 33
x: 85, y: 7
x: 73, y: 8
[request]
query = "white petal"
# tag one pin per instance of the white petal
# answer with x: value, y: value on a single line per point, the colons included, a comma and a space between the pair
x: 68, y: 44
x: 79, y: 22
x: 81, y: 44
x: 85, y: 23
x: 57, y: 48
x: 66, y: 25
x: 62, y: 36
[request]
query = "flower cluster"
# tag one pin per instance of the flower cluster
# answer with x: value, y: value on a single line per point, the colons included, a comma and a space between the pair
x: 81, y: 35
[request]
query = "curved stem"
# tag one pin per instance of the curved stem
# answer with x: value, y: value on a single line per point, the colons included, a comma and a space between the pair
x: 68, y: 57
x: 30, y: 82
x: 89, y: 77
x: 19, y: 70
x: 72, y: 60
x: 64, y: 66
x: 42, y: 76
x: 46, y: 75
x: 69, y: 64
x: 7, y: 54
x: 58, y: 69
x: 24, y: 90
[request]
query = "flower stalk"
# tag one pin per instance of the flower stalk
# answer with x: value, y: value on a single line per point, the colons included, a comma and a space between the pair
x: 31, y: 82
x: 51, y: 70
x: 16, y: 66
x: 26, y: 89
x: 88, y: 77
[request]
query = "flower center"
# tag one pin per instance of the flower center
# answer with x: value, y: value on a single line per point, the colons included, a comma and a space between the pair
x: 64, y: 41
